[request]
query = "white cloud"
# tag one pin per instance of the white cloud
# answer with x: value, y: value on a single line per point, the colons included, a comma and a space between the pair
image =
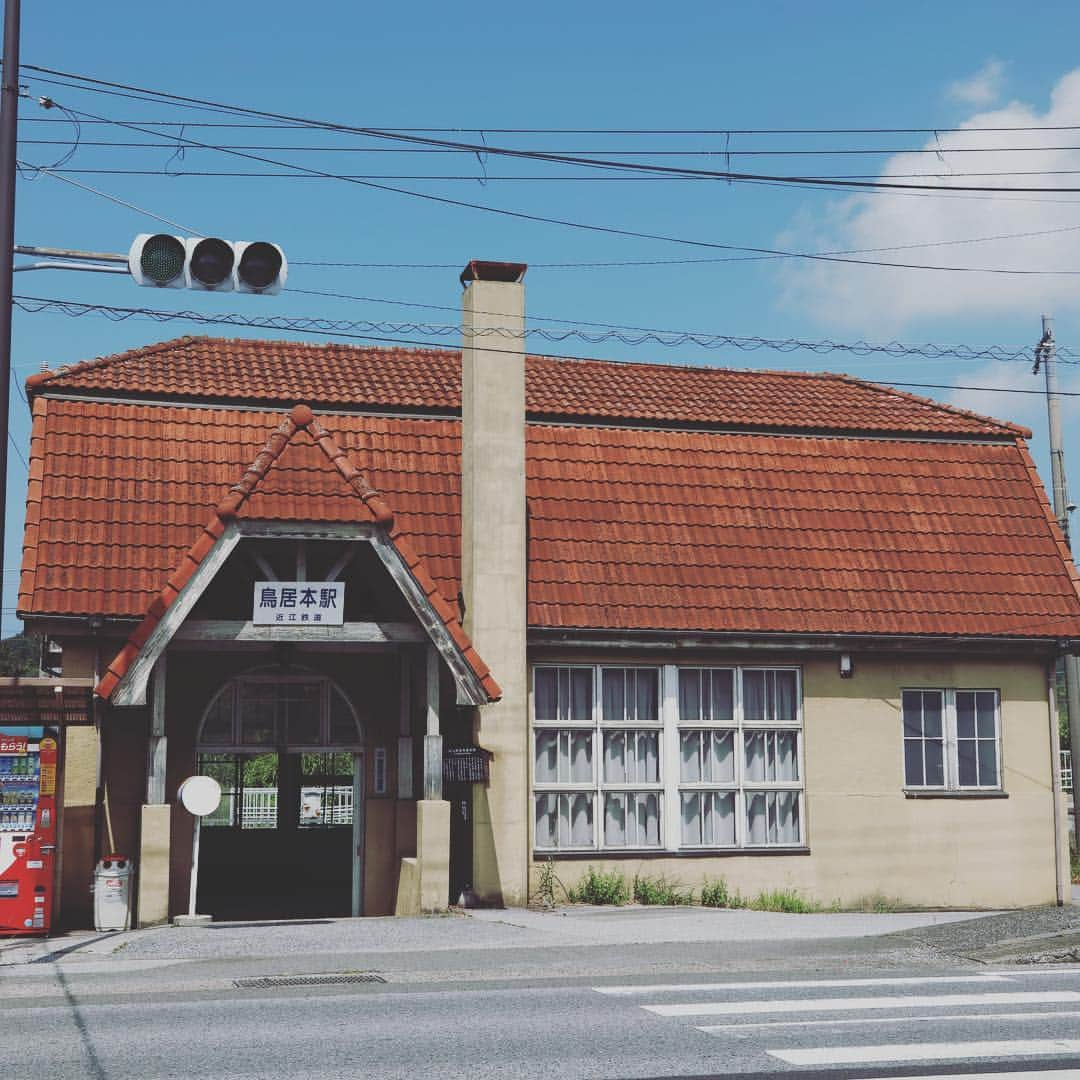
x: 882, y: 302
x: 982, y: 89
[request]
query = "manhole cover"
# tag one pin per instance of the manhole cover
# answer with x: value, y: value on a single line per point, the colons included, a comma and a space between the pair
x: 266, y: 982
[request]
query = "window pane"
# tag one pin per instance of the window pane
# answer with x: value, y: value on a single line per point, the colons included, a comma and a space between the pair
x: 343, y: 728
x: 913, y: 763
x: 576, y: 820
x: 787, y: 761
x: 720, y: 763
x: 581, y: 687
x: 723, y: 696
x: 218, y: 727
x: 301, y: 704
x: 986, y: 708
x: 988, y: 768
x: 932, y: 715
x: 615, y: 820
x: 690, y: 756
x: 689, y: 696
x: 755, y: 818
x: 912, y: 713
x: 753, y: 683
x: 648, y: 693
x: 615, y: 767
x: 935, y: 763
x: 648, y: 819
x: 614, y: 684
x: 546, y: 695
x: 754, y: 743
x: 965, y: 716
x: 258, y: 710
x: 787, y: 817
x: 965, y: 754
x: 580, y: 750
x: 547, y: 757
x: 546, y: 806
x: 786, y: 707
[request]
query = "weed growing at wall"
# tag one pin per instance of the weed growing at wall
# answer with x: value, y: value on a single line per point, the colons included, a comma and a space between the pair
x: 597, y: 887
x: 787, y: 900
x: 548, y: 884
x: 660, y: 891
x: 716, y: 894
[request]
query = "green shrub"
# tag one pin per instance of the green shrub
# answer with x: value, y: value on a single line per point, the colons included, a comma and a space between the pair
x: 598, y: 887
x: 660, y: 891
x: 1074, y: 862
x: 715, y: 894
x: 787, y: 900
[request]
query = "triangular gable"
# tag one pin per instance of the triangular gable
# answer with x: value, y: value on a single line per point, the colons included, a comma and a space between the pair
x: 125, y: 680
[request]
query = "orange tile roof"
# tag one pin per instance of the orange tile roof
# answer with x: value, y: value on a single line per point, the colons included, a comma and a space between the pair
x: 277, y: 372
x: 269, y: 488
x: 630, y: 528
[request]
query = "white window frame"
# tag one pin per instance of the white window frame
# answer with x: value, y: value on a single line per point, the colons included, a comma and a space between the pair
x: 951, y: 746
x: 670, y: 785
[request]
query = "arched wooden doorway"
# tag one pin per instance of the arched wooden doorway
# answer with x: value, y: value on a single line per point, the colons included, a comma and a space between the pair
x: 287, y: 839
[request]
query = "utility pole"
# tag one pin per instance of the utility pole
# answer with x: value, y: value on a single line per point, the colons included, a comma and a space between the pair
x: 9, y: 133
x: 1046, y: 354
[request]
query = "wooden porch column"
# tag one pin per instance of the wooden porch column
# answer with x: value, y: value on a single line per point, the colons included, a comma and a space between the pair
x: 152, y: 866
x: 405, y: 742
x: 433, y: 766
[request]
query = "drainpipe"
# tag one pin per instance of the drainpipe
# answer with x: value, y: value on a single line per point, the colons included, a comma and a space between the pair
x: 1056, y: 797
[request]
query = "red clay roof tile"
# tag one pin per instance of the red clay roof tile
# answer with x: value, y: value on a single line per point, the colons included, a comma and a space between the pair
x: 630, y: 528
x: 275, y: 372
x: 246, y: 493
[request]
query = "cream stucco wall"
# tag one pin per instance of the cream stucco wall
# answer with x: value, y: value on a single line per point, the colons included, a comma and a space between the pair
x: 865, y: 837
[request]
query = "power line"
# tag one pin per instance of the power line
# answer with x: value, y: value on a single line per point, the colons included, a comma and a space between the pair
x: 612, y: 230
x: 202, y: 103
x: 565, y: 159
x: 365, y: 330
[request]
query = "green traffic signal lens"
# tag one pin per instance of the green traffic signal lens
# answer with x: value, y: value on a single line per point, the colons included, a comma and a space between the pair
x: 162, y: 259
x: 211, y: 261
x: 260, y: 265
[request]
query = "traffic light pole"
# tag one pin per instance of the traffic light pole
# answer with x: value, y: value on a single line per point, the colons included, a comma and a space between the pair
x: 9, y: 131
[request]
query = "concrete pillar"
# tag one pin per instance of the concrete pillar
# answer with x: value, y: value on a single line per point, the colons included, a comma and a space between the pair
x: 153, y: 866
x: 433, y: 853
x: 493, y: 567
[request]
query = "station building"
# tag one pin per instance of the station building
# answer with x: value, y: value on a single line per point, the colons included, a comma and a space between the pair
x: 438, y: 619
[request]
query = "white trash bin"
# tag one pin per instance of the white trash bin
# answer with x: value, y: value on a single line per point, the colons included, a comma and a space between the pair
x: 112, y: 893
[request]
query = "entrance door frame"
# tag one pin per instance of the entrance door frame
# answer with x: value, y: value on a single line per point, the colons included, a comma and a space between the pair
x: 358, y: 834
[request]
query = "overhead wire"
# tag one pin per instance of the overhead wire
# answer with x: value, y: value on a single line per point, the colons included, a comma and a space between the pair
x: 615, y: 231
x: 367, y: 330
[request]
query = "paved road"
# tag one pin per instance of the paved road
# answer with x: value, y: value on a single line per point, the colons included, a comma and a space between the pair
x: 659, y: 1012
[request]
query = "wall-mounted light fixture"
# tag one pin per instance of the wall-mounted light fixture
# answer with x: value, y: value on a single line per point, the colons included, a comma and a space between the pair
x: 847, y: 666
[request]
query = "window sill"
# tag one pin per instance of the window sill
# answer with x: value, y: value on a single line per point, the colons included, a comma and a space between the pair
x: 655, y: 853
x: 919, y: 793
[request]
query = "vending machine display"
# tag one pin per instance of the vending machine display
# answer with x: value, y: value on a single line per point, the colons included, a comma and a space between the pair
x: 27, y: 832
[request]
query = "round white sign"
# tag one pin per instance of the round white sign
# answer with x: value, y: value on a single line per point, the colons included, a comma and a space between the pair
x: 200, y: 795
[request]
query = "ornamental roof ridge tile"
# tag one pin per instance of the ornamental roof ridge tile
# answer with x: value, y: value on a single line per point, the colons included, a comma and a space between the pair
x: 301, y: 417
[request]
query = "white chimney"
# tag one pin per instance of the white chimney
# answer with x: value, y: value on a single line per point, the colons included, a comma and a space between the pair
x: 493, y: 564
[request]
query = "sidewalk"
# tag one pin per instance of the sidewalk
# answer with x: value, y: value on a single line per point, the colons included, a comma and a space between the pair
x: 964, y: 934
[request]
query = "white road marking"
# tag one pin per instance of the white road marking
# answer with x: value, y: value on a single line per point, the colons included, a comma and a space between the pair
x: 679, y: 988
x: 857, y: 1055
x: 896, y: 1001
x: 937, y: 1018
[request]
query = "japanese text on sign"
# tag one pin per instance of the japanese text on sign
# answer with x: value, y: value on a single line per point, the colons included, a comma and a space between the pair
x: 311, y: 603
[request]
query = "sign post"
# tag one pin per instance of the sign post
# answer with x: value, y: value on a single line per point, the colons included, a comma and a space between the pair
x: 200, y: 795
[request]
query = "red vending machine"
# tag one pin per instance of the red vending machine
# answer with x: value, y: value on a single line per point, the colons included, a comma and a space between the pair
x: 27, y: 832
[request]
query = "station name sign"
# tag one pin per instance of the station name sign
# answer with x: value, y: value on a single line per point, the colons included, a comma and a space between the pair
x: 318, y: 603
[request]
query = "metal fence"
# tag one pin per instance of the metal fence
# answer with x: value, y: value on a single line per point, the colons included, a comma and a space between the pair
x: 1066, y: 771
x: 318, y: 806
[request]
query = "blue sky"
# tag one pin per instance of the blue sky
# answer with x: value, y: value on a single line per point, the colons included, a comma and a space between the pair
x: 715, y: 66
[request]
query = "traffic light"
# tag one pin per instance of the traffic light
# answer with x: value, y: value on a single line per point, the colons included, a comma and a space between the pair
x: 163, y: 261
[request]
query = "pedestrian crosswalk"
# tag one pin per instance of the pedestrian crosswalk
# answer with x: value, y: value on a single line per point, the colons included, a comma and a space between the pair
x: 855, y: 1021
